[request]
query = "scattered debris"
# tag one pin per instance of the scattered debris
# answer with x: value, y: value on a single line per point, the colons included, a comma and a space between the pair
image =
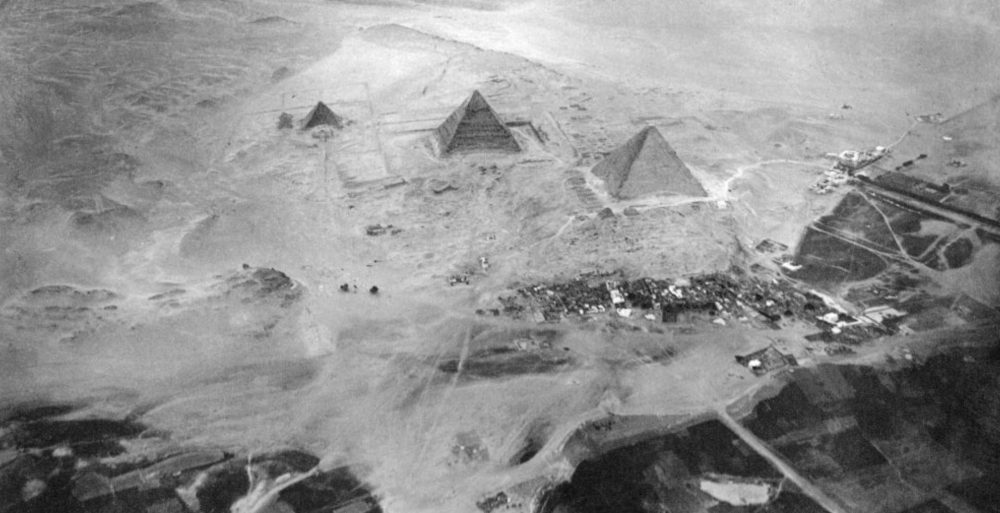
x: 493, y: 502
x: 491, y: 169
x: 831, y: 179
x: 439, y: 186
x: 957, y: 163
x: 375, y: 230
x: 322, y: 133
x: 458, y: 278
x: 937, y: 117
x: 484, y: 263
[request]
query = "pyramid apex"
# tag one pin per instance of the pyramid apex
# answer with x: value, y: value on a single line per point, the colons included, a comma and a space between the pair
x: 476, y: 100
x: 648, y: 129
x: 322, y: 115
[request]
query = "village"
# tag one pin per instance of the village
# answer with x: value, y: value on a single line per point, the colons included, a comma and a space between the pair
x: 498, y: 256
x: 719, y: 298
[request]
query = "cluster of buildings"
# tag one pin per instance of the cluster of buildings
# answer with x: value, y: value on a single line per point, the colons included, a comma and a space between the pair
x: 717, y: 296
x: 846, y: 164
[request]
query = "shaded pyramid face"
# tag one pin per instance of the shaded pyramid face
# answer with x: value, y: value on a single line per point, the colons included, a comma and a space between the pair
x: 646, y: 164
x: 322, y: 115
x: 475, y: 126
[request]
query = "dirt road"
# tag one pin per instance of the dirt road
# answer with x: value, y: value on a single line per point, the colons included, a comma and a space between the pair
x: 790, y: 473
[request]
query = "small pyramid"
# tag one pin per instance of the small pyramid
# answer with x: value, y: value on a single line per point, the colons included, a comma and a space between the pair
x: 322, y: 115
x: 474, y: 126
x: 646, y: 164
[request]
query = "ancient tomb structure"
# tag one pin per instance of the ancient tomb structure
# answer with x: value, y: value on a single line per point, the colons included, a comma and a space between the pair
x: 474, y: 127
x: 646, y: 164
x: 322, y: 115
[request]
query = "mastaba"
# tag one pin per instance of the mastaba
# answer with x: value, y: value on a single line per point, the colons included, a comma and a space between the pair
x: 322, y: 115
x: 474, y: 127
x: 646, y: 164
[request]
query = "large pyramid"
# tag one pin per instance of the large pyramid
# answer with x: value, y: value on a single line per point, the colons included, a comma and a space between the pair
x: 474, y: 126
x: 646, y: 164
x: 322, y: 115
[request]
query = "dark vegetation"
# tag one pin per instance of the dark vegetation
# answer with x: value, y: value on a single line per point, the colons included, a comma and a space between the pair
x: 534, y: 441
x: 856, y: 216
x: 834, y: 422
x: 660, y: 474
x: 827, y: 260
x: 500, y: 362
x: 958, y: 253
x: 53, y: 465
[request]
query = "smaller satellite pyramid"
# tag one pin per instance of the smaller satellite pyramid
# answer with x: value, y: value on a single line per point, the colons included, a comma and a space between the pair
x: 646, y: 164
x: 474, y: 126
x: 322, y: 115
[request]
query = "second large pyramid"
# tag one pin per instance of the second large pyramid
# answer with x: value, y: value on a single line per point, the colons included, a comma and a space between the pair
x: 322, y: 115
x: 646, y: 164
x: 475, y: 126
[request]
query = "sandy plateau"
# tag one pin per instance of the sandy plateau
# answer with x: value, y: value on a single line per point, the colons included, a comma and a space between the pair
x: 168, y: 255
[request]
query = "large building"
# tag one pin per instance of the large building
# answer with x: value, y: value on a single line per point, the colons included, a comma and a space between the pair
x: 646, y: 164
x: 474, y: 127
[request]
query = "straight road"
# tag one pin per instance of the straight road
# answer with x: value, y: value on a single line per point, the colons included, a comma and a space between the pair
x: 790, y: 473
x: 951, y: 213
